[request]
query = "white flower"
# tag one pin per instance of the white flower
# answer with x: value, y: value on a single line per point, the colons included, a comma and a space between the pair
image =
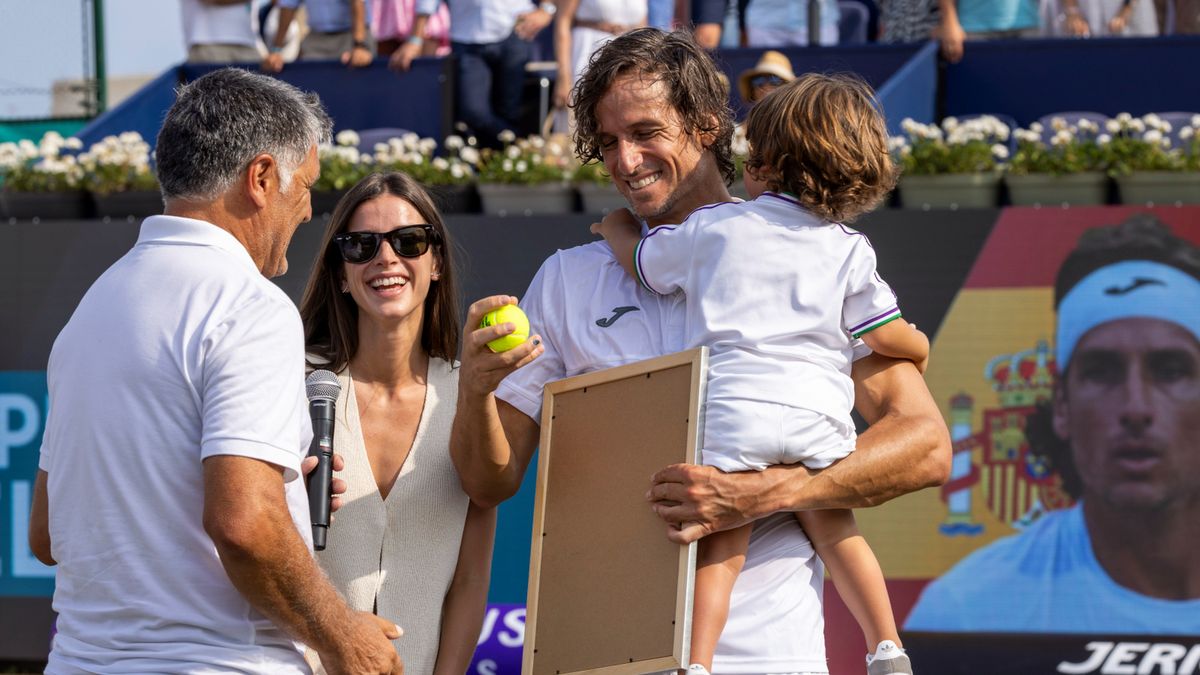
x: 440, y: 163
x: 512, y: 152
x: 1104, y: 139
x: 1124, y: 118
x: 1089, y: 126
x: 896, y: 142
x: 506, y: 165
x: 1186, y: 133
x: 1027, y: 136
x: 347, y: 137
x: 1137, y: 125
x: 554, y: 149
x: 950, y: 123
x: 522, y: 167
x: 1037, y: 128
x: 1153, y: 136
x: 470, y: 155
x: 1196, y: 121
x: 1058, y: 123
x: 454, y: 142
x: 471, y: 141
x: 1112, y: 126
x: 427, y: 146
x: 506, y: 136
x: 74, y: 143
x: 381, y: 148
x: 1000, y: 151
x: 457, y: 171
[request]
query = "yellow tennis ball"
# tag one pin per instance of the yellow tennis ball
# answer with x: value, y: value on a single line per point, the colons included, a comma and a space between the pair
x: 507, y: 314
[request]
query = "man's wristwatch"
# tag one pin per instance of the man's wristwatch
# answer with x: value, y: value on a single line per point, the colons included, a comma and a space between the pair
x: 548, y: 7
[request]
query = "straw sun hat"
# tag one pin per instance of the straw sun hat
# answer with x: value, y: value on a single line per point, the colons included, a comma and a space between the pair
x: 770, y: 63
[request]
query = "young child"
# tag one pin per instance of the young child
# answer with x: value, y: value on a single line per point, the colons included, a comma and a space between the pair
x: 780, y: 290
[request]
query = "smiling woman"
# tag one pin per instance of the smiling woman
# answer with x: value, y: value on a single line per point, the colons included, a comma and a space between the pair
x: 381, y: 311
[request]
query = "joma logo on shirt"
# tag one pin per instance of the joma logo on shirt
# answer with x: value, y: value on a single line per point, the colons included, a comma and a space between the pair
x: 618, y: 312
x: 1140, y: 658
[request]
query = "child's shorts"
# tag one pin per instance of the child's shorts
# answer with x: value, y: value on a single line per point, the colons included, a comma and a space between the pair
x: 740, y: 435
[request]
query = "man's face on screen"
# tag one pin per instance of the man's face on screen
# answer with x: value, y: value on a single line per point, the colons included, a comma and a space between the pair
x: 1130, y: 408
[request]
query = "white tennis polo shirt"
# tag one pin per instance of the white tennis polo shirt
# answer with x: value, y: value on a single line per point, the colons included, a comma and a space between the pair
x: 592, y: 315
x: 777, y: 294
x: 180, y: 351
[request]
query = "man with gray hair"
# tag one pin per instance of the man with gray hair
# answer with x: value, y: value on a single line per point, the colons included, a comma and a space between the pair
x: 168, y: 490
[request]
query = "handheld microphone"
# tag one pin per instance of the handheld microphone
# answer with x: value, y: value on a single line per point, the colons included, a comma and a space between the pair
x: 322, y: 389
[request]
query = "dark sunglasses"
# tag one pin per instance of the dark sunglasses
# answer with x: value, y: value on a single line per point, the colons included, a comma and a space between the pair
x: 410, y: 241
x: 766, y: 81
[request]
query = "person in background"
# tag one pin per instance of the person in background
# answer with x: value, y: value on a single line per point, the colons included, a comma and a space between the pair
x: 661, y: 14
x: 580, y: 28
x: 772, y: 71
x: 708, y: 19
x: 984, y: 20
x: 219, y: 31
x: 381, y: 311
x: 492, y: 41
x: 1178, y: 17
x: 337, y: 29
x: 784, y: 23
x: 1101, y: 18
x: 392, y: 23
x: 182, y: 535
x: 1122, y: 430
x: 903, y: 21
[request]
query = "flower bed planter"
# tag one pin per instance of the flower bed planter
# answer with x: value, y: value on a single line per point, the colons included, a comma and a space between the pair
x: 455, y: 198
x: 599, y: 198
x: 134, y: 203
x: 1072, y: 189
x: 950, y: 191
x: 46, y: 205
x: 1160, y: 187
x: 502, y: 199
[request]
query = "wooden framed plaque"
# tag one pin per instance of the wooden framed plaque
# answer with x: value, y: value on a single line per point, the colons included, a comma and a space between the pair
x: 608, y: 592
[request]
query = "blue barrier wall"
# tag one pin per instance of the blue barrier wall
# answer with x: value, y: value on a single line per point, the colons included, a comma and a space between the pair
x: 1031, y: 78
x: 419, y: 100
x: 912, y: 90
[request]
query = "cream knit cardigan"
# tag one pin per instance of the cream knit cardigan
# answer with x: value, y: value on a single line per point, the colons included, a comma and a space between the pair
x: 397, y: 556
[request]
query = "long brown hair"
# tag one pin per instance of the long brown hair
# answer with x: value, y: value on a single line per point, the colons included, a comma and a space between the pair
x: 331, y: 317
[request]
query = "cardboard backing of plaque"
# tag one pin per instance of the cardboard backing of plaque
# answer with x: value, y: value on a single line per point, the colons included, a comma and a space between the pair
x: 608, y: 593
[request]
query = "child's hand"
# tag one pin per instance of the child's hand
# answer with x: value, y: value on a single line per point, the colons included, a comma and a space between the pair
x: 618, y: 220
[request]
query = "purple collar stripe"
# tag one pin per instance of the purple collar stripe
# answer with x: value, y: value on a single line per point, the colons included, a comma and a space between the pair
x: 875, y: 322
x: 637, y: 263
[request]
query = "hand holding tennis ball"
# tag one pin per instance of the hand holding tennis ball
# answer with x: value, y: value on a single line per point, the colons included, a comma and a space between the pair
x: 507, y: 314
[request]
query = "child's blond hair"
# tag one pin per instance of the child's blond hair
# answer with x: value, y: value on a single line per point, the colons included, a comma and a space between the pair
x: 823, y: 139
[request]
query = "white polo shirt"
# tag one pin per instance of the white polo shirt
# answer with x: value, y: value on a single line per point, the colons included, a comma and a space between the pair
x: 180, y: 351
x: 777, y: 294
x: 592, y: 315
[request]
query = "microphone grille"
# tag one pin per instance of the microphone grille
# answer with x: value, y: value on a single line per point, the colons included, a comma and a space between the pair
x: 322, y: 384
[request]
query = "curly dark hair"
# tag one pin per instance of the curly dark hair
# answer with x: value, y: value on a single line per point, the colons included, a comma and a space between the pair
x: 823, y: 139
x: 697, y: 90
x: 1140, y: 237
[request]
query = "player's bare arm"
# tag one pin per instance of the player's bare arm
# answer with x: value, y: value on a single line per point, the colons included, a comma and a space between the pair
x: 907, y: 448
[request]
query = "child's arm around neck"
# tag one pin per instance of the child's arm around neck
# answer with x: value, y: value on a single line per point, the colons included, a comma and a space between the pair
x: 622, y: 231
